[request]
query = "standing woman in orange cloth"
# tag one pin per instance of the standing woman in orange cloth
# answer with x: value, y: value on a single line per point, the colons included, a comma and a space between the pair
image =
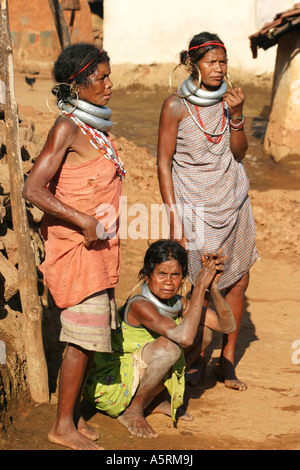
x: 77, y: 175
x: 203, y: 182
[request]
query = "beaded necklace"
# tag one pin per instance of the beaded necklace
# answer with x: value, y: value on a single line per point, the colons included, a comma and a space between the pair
x: 99, y: 140
x: 209, y: 135
x: 200, y: 124
x: 214, y: 138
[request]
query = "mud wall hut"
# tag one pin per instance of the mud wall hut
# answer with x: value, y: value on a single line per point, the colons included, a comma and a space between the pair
x: 33, y: 33
x: 282, y: 137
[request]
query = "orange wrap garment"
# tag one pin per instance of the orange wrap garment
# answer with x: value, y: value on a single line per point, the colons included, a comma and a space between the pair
x: 72, y: 271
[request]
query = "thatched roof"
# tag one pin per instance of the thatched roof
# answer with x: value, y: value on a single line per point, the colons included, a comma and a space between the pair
x: 269, y: 34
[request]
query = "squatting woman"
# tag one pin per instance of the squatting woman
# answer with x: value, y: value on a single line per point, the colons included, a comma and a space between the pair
x: 160, y: 333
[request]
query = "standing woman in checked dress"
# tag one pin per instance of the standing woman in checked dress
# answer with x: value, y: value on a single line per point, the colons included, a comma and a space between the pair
x: 203, y: 182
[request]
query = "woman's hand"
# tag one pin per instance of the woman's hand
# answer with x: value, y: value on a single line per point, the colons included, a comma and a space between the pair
x: 219, y: 261
x: 93, y: 231
x: 238, y: 142
x: 207, y: 272
x: 220, y: 266
x: 235, y: 99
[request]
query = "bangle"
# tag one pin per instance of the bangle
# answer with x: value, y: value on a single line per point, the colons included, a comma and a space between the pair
x: 239, y: 117
x: 237, y: 126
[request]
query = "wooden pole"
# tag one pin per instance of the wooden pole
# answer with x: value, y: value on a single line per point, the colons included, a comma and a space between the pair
x: 37, y: 375
x: 60, y: 24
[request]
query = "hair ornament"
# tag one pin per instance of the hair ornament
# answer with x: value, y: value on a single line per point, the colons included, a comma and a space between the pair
x: 209, y: 43
x: 85, y: 67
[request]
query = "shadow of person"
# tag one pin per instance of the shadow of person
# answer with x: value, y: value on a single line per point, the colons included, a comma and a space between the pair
x: 259, y: 126
x: 246, y: 336
x: 88, y: 409
x: 53, y: 347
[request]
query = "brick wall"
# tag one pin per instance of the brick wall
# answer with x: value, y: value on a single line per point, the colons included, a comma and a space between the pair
x: 33, y: 34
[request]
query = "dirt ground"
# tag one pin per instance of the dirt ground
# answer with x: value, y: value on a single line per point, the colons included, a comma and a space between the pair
x: 266, y: 416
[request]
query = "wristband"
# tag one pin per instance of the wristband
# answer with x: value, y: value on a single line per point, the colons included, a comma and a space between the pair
x: 238, y: 125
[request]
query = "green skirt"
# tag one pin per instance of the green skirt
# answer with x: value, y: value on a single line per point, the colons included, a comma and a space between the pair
x: 109, y: 384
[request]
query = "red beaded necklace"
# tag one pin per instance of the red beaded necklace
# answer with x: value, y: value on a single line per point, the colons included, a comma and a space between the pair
x: 100, y: 141
x: 209, y: 136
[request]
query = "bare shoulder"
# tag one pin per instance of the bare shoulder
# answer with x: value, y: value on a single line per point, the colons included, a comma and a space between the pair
x: 62, y: 134
x: 142, y: 312
x: 173, y: 107
x: 65, y: 125
x: 172, y: 101
x: 140, y: 306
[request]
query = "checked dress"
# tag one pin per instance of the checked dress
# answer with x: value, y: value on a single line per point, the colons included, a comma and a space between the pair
x: 211, y: 192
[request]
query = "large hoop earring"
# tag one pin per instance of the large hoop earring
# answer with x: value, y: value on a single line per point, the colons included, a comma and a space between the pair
x: 184, y: 288
x: 134, y: 288
x: 227, y: 78
x: 47, y: 103
x: 73, y: 93
x: 193, y: 92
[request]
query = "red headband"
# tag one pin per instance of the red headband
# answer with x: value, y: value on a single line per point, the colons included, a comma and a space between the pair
x: 85, y: 67
x: 209, y: 43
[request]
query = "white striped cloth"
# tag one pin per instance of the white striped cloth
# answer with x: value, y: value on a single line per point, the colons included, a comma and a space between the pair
x: 212, y: 186
x: 89, y: 323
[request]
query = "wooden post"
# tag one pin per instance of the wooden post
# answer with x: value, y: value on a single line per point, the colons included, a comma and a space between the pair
x: 37, y: 374
x: 60, y: 24
x: 71, y: 5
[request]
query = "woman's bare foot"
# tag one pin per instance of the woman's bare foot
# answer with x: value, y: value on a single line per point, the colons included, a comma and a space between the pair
x: 86, y: 430
x: 165, y: 408
x: 72, y: 439
x: 136, y: 424
x: 225, y: 373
